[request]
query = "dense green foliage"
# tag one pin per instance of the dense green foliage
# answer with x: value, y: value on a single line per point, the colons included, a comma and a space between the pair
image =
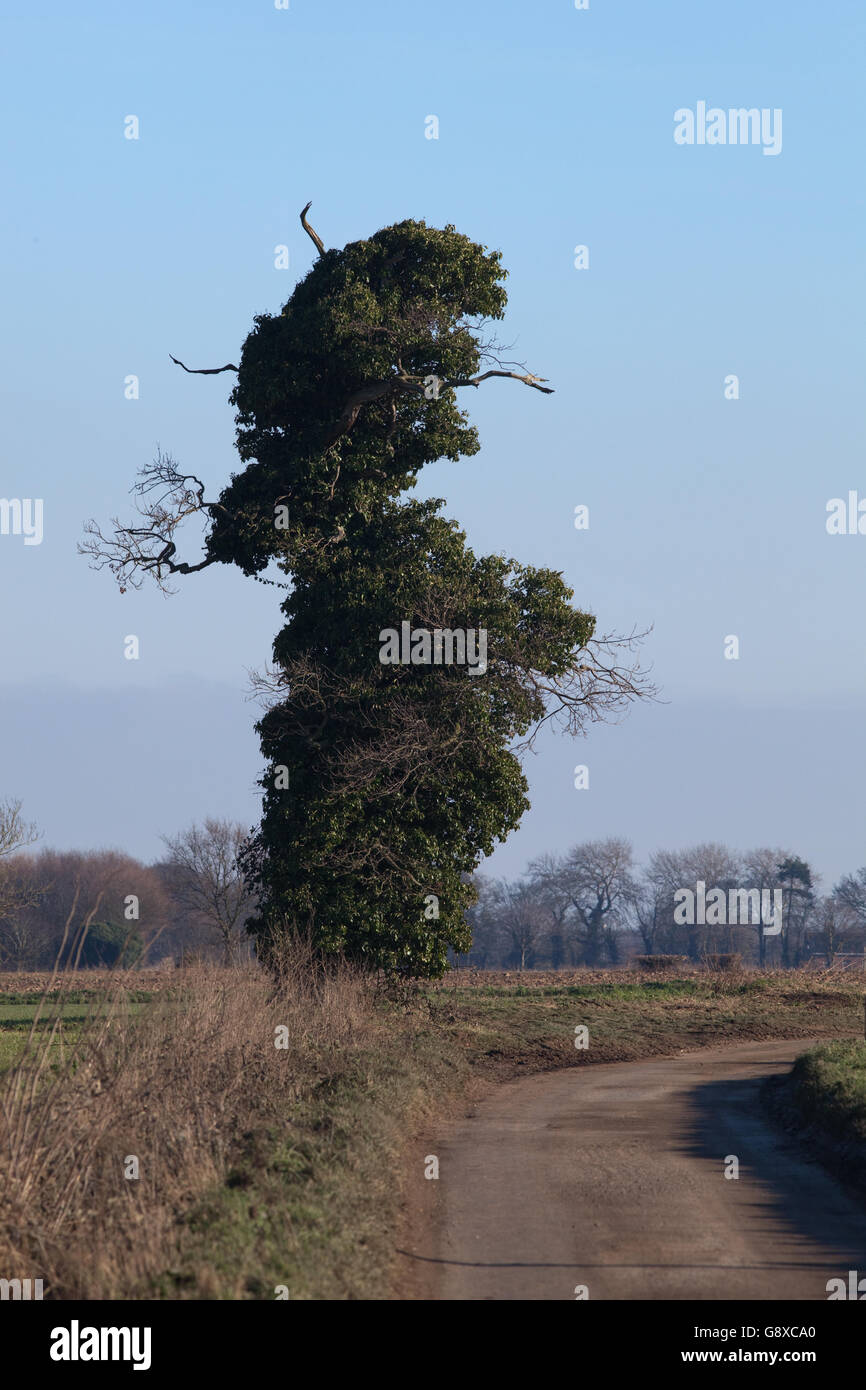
x: 399, y: 776
x: 111, y: 943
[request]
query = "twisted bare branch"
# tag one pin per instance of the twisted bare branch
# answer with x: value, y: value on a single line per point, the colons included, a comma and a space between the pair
x: 320, y: 245
x: 134, y: 551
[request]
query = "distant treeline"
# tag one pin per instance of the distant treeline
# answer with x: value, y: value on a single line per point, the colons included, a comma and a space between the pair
x: 104, y: 908
x: 590, y: 907
x: 593, y: 906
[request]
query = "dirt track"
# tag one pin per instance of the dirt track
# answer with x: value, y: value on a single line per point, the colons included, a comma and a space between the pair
x: 612, y: 1176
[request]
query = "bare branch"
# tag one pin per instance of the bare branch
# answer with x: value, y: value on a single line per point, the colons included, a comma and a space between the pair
x: 599, y: 685
x: 134, y: 551
x: 529, y: 379
x: 15, y: 832
x: 205, y: 371
x: 414, y: 384
x: 320, y: 245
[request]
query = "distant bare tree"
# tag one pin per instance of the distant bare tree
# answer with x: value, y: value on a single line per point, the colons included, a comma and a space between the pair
x: 15, y: 832
x: 208, y: 879
x: 596, y: 879
x: 851, y: 890
x: 760, y: 870
x: 485, y: 920
x: 649, y: 911
x: 18, y: 890
x: 523, y: 919
x: 835, y: 927
x: 548, y: 883
x: 716, y: 866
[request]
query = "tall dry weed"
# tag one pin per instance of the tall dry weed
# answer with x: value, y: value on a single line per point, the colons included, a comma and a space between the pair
x: 174, y: 1086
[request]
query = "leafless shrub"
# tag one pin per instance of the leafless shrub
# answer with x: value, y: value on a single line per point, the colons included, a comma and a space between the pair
x: 656, y: 964
x: 726, y: 960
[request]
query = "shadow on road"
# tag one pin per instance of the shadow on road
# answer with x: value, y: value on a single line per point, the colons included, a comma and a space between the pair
x: 729, y: 1121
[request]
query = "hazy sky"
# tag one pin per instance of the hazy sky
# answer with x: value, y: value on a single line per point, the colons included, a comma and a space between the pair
x: 707, y: 515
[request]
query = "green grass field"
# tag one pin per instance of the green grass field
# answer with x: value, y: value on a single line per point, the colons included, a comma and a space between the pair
x: 18, y: 1012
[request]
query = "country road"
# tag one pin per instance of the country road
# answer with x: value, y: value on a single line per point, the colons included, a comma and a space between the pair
x: 612, y: 1177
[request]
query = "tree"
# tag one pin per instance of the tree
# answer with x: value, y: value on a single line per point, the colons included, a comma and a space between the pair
x: 649, y: 910
x: 851, y: 892
x: 669, y: 871
x: 596, y: 880
x: 601, y: 885
x: 524, y: 922
x: 18, y: 891
x: 836, y: 926
x: 485, y: 924
x: 545, y: 875
x: 795, y: 876
x: 208, y: 879
x: 387, y: 780
x: 760, y: 871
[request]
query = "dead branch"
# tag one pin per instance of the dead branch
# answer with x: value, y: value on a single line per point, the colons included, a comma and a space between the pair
x: 205, y: 371
x: 530, y: 379
x: 320, y: 245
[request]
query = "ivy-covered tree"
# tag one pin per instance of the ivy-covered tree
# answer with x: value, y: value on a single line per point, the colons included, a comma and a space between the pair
x: 387, y: 780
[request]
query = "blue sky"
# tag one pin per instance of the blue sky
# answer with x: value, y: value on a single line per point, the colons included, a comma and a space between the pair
x: 707, y: 516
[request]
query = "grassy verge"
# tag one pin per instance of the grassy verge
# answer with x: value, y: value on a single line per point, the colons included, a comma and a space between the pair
x: 823, y: 1102
x: 263, y: 1166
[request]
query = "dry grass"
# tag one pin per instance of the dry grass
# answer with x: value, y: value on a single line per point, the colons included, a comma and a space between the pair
x: 177, y: 1087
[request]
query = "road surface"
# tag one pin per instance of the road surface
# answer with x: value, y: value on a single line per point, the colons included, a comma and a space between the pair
x: 612, y: 1177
